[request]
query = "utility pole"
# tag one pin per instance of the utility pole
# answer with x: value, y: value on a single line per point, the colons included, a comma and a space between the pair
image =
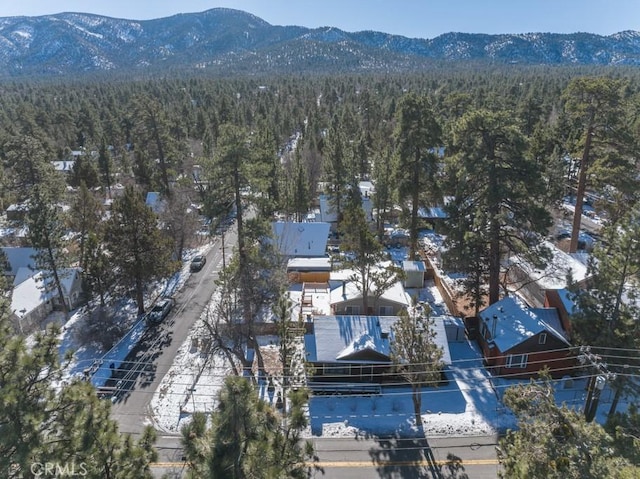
x: 597, y: 380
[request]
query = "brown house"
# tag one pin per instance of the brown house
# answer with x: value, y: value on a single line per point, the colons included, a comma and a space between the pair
x: 517, y: 340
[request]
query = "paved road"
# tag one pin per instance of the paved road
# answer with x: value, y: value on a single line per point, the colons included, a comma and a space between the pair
x: 347, y: 458
x: 357, y: 458
x: 132, y: 407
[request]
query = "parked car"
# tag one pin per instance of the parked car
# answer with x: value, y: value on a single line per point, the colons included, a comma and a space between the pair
x: 160, y: 310
x: 198, y: 262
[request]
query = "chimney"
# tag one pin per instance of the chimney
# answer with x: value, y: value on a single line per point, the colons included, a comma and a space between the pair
x: 493, y: 326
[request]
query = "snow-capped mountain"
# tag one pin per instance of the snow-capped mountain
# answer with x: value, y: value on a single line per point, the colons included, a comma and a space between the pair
x: 230, y: 41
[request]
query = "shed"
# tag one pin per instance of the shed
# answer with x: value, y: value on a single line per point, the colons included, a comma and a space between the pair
x: 414, y: 273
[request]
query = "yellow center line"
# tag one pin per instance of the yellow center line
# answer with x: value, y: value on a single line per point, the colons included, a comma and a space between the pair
x: 362, y: 464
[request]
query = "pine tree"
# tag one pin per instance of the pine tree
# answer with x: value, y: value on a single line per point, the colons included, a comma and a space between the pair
x: 139, y: 249
x: 596, y: 107
x: 417, y: 135
x: 246, y: 439
x: 85, y: 217
x: 555, y: 442
x: 497, y: 206
x: 416, y: 356
x: 65, y: 425
x: 370, y: 277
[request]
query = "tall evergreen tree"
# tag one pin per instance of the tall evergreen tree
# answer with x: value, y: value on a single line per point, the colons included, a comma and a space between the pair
x: 139, y: 249
x: 64, y: 425
x: 417, y: 135
x: 154, y: 137
x: 555, y: 442
x: 497, y: 206
x: 382, y: 177
x: 596, y: 107
x: 371, y: 277
x: 46, y: 230
x: 85, y: 217
x: 246, y: 439
x: 337, y: 169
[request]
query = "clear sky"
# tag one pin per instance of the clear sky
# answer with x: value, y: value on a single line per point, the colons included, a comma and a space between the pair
x: 412, y: 18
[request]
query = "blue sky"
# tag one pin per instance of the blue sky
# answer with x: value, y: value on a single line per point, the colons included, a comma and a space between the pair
x: 412, y: 18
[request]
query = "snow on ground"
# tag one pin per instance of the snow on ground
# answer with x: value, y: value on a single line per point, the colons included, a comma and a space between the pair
x: 466, y: 406
x: 192, y: 383
x: 89, y: 357
x: 469, y: 404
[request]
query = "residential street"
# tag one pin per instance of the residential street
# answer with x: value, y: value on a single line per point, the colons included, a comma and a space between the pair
x: 355, y: 458
x: 131, y: 409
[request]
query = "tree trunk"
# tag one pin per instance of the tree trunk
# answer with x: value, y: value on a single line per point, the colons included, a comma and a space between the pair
x: 582, y: 186
x: 417, y: 405
x: 494, y: 232
x: 494, y: 268
x: 139, y: 295
x: 56, y: 278
x: 616, y: 400
x: 413, y: 238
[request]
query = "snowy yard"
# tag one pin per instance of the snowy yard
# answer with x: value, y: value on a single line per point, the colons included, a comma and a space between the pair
x: 469, y: 404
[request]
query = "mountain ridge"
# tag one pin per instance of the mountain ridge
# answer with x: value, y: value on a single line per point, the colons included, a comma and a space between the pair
x: 229, y: 41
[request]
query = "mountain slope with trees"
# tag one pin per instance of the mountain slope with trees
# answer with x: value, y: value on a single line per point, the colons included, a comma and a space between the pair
x: 231, y: 41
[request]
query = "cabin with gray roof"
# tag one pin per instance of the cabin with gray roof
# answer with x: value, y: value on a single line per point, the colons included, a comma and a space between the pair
x: 356, y: 349
x: 301, y: 240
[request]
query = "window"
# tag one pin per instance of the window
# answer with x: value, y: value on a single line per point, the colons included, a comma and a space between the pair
x: 386, y: 311
x: 336, y: 370
x: 542, y: 339
x: 352, y: 310
x: 517, y: 361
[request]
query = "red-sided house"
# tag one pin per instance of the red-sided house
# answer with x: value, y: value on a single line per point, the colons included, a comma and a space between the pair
x: 517, y: 340
x: 562, y: 300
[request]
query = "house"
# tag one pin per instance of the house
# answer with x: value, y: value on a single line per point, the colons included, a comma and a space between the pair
x: 413, y: 273
x: 563, y: 301
x: 64, y: 166
x: 17, y: 211
x: 346, y: 297
x: 531, y: 282
x: 328, y: 212
x: 35, y: 296
x: 519, y: 340
x: 17, y: 258
x: 155, y: 202
x: 301, y: 240
x: 301, y: 270
x: 433, y: 215
x: 355, y: 349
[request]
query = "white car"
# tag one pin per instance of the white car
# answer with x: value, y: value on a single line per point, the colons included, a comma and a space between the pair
x: 160, y: 310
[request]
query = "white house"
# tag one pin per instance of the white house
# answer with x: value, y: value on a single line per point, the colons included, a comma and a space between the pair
x: 17, y: 258
x: 346, y: 297
x: 35, y: 296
